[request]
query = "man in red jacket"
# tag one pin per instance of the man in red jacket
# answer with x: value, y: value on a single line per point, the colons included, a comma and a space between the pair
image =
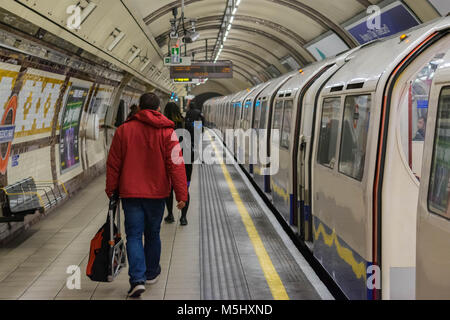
x: 144, y: 162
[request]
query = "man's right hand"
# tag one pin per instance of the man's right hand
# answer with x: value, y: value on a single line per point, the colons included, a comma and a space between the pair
x: 181, y: 205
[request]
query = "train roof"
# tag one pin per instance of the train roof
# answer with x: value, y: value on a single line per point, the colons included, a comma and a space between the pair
x: 240, y: 96
x: 443, y: 71
x: 366, y: 65
x: 275, y: 84
x: 257, y: 90
x: 298, y: 80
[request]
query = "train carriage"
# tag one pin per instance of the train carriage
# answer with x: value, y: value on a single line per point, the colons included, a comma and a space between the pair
x: 248, y: 141
x: 261, y: 123
x: 355, y: 154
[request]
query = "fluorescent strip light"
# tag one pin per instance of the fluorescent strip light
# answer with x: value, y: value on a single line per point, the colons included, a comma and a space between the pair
x: 87, y: 11
x: 227, y: 33
x: 234, y: 11
x: 116, y: 41
x: 134, y: 56
x: 229, y: 27
x: 232, y: 19
x: 237, y: 3
x: 145, y: 65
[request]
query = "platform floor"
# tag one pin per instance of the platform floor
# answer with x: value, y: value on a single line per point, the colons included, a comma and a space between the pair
x: 232, y: 249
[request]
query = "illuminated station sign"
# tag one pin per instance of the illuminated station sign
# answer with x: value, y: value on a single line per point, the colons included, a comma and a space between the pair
x: 189, y: 80
x: 202, y: 70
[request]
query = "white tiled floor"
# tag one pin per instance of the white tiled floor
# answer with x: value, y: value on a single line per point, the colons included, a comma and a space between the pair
x: 35, y: 268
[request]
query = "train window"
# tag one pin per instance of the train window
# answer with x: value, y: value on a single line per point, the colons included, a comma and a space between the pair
x: 287, y: 118
x: 355, y: 129
x: 237, y: 115
x: 277, y: 119
x: 257, y: 117
x: 262, y: 122
x: 414, y: 112
x: 439, y: 191
x: 329, y: 130
x: 248, y: 109
x: 277, y: 115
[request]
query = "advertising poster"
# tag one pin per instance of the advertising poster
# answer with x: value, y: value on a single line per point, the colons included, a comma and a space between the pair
x: 8, y: 103
x: 70, y: 127
x: 394, y: 18
x: 442, y: 6
x: 327, y: 47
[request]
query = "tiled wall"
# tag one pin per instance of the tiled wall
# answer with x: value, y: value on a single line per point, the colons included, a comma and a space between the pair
x: 40, y: 123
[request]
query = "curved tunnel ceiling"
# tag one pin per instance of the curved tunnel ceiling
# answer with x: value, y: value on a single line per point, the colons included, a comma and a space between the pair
x: 263, y: 32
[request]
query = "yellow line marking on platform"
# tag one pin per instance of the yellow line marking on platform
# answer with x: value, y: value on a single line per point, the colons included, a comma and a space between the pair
x: 270, y: 273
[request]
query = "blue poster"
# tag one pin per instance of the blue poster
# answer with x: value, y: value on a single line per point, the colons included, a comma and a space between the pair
x: 393, y: 20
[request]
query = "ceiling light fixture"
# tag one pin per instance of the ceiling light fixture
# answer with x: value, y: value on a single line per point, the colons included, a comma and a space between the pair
x: 135, y: 50
x: 87, y: 10
x: 229, y: 15
x: 118, y: 36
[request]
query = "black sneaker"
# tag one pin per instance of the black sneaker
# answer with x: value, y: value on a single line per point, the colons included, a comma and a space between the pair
x: 155, y: 278
x: 169, y: 219
x: 136, y: 290
x: 183, y: 221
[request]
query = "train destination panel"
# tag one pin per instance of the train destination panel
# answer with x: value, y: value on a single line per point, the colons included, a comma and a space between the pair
x: 198, y: 70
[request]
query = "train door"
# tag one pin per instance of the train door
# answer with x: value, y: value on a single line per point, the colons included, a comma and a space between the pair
x: 248, y: 137
x: 259, y: 126
x: 302, y: 131
x: 402, y: 169
x: 280, y: 143
x: 433, y: 223
x: 339, y: 194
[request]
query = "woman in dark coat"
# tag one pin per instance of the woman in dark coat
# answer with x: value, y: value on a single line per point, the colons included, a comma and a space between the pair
x: 172, y: 112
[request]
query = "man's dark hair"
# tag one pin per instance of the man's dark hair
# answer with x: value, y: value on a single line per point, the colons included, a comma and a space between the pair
x: 149, y: 101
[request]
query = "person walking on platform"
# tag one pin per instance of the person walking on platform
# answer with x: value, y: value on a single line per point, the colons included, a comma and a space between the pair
x: 194, y: 124
x: 172, y: 112
x: 133, y: 110
x: 141, y: 168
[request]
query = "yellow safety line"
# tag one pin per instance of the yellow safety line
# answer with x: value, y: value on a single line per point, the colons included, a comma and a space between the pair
x: 273, y: 279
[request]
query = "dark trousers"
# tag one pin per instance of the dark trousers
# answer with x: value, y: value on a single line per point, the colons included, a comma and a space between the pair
x: 169, y: 204
x: 169, y: 200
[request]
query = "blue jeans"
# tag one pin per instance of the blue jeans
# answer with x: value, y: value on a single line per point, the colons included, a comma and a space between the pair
x: 143, y: 217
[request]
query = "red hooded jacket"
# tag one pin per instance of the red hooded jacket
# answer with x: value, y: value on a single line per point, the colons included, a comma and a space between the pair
x: 140, y: 163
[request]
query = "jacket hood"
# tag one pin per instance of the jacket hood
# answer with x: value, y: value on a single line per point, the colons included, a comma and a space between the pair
x: 153, y: 118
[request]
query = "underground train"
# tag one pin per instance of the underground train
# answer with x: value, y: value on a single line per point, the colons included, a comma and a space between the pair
x: 363, y: 142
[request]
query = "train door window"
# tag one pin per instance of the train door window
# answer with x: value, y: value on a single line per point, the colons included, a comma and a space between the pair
x: 277, y: 115
x: 262, y: 122
x: 277, y: 119
x: 244, y: 116
x: 231, y: 110
x: 355, y: 128
x: 248, y: 112
x: 237, y: 115
x: 257, y: 117
x: 287, y: 118
x: 439, y: 191
x: 329, y: 129
x: 414, y: 110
